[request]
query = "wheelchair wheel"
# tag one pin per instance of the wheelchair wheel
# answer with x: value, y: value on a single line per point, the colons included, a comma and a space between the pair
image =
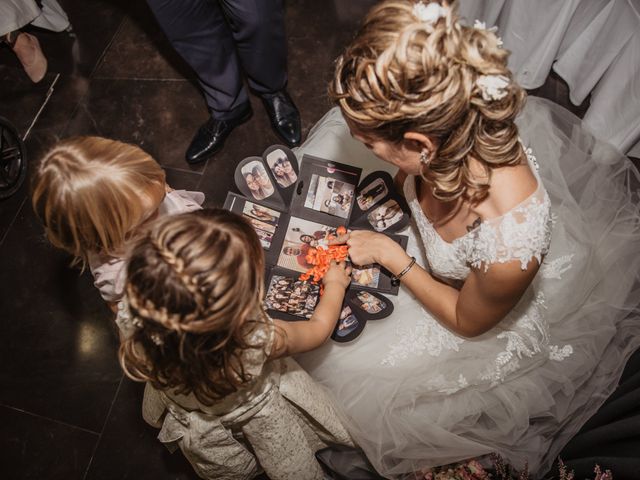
x: 13, y: 159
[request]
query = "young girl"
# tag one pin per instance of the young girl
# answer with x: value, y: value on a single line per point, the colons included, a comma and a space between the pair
x: 93, y: 195
x: 232, y: 402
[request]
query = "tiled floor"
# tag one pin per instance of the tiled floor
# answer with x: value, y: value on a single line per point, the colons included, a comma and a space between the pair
x: 66, y: 410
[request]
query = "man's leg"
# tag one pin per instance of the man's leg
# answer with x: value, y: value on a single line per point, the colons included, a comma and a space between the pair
x: 258, y: 30
x: 199, y: 32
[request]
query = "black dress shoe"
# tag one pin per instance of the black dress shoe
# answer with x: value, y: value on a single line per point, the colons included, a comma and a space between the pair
x: 211, y: 136
x: 284, y: 116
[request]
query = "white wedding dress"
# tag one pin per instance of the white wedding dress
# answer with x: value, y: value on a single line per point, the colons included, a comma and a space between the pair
x: 418, y: 395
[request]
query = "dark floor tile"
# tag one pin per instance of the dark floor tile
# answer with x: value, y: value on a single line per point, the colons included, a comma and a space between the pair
x: 20, y: 98
x: 249, y: 139
x: 36, y: 143
x: 182, y: 179
x: 141, y: 38
x: 129, y: 448
x: 36, y: 448
x: 59, y: 350
x: 160, y: 116
x: 95, y: 23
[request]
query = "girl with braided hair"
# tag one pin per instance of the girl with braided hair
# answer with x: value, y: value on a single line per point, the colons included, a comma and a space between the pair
x: 93, y: 196
x: 518, y: 306
x: 226, y: 392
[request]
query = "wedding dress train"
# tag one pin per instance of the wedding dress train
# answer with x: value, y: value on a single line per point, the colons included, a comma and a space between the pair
x: 418, y: 395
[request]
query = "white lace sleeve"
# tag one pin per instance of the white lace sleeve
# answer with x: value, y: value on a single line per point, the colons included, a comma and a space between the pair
x: 521, y: 234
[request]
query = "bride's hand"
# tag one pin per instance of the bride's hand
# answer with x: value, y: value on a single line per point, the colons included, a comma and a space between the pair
x: 367, y: 247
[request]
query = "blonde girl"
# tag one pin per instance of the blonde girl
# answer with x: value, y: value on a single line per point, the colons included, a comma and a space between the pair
x: 226, y: 393
x: 94, y: 194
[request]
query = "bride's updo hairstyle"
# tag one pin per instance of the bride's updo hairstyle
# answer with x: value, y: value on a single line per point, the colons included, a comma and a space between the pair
x: 407, y: 72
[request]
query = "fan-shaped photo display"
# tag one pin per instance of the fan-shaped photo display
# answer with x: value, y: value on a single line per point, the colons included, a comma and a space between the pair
x: 378, y: 206
x: 368, y: 304
x: 348, y: 327
x: 283, y: 168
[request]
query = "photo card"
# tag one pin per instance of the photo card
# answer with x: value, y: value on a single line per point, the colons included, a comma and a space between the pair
x: 326, y: 191
x: 379, y: 206
x: 302, y: 235
x: 326, y: 194
x: 385, y: 216
x: 375, y: 277
x: 291, y: 299
x: 349, y: 326
x: 368, y: 276
x: 369, y: 305
x: 283, y: 165
x: 371, y: 194
x: 267, y: 223
x: 256, y: 183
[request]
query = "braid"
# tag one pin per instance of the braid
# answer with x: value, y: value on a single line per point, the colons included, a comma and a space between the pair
x: 194, y: 283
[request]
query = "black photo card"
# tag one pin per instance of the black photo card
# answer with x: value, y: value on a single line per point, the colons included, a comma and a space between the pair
x: 378, y: 206
x: 369, y: 305
x: 349, y: 325
x: 255, y: 182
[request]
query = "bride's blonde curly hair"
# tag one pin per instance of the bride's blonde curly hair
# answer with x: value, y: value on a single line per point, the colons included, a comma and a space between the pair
x: 403, y: 74
x: 194, y: 286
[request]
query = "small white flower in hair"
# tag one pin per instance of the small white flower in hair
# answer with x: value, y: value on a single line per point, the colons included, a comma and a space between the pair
x: 157, y: 339
x: 483, y: 26
x: 493, y: 87
x: 430, y: 13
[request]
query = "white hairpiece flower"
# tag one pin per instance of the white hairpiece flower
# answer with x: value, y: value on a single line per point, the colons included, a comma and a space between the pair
x: 483, y: 26
x: 429, y: 13
x: 493, y: 87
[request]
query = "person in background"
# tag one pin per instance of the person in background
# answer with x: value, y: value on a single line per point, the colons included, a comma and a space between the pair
x: 16, y: 14
x: 221, y: 40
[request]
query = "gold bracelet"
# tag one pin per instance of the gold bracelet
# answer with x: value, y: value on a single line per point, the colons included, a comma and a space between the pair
x: 395, y: 279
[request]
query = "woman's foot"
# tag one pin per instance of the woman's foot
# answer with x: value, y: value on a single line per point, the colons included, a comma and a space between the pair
x: 27, y: 49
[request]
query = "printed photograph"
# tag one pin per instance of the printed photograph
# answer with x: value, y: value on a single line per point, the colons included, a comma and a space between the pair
x: 370, y: 303
x: 386, y: 215
x: 372, y: 194
x: 347, y: 323
x: 301, y: 236
x: 281, y: 168
x: 265, y: 238
x: 289, y: 295
x: 330, y: 196
x: 257, y: 179
x: 366, y: 277
x: 260, y: 225
x: 261, y: 213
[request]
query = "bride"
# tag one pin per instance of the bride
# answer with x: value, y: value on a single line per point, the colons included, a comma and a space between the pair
x: 519, y: 298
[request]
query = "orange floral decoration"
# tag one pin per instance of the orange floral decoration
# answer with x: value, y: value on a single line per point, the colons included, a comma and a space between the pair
x: 320, y: 257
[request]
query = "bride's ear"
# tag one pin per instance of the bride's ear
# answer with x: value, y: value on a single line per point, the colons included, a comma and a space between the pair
x: 420, y: 142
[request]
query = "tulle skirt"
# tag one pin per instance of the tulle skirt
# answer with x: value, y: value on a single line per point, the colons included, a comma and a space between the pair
x: 388, y: 381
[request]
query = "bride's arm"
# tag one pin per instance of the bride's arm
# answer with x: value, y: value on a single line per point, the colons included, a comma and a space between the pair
x: 484, y: 300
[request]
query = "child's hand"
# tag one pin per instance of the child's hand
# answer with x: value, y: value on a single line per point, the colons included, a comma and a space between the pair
x: 338, y: 273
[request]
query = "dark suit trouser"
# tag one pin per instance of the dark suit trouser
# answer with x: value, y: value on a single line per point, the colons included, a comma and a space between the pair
x: 221, y: 39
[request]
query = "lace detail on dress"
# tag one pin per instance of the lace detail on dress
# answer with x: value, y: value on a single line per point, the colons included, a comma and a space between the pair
x: 556, y: 267
x: 427, y: 336
x: 526, y: 337
x: 521, y: 234
x: 558, y: 354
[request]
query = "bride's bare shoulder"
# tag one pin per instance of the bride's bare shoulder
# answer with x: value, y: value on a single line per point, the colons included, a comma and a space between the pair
x: 509, y: 187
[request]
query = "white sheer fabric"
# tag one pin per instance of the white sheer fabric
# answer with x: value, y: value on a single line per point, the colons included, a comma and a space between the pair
x: 419, y: 395
x: 594, y: 45
x: 15, y: 14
